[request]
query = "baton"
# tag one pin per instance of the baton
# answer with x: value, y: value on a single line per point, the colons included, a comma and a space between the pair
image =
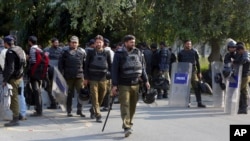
x: 110, y: 107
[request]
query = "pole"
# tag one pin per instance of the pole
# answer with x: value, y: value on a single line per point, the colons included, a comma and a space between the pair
x: 110, y: 107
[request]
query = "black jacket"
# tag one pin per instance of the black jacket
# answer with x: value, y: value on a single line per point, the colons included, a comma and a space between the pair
x: 117, y: 79
x: 10, y: 65
x: 88, y: 75
x: 243, y: 59
x: 71, y: 63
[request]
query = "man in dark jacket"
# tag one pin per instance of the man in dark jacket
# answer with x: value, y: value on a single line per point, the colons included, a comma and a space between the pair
x: 164, y: 57
x: 242, y: 58
x: 54, y: 54
x: 98, y: 63
x: 12, y: 74
x: 127, y: 68
x: 189, y: 55
x: 71, y: 65
x: 231, y: 47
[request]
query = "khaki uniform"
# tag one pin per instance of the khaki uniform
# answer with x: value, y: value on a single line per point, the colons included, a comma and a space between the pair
x: 73, y: 83
x: 14, y: 106
x: 97, y: 91
x: 128, y: 97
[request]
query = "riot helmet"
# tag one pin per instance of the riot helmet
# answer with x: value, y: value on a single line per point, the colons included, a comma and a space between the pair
x: 83, y: 95
x: 148, y: 97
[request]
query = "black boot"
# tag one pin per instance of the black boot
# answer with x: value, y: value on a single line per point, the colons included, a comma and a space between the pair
x: 14, y: 122
x: 243, y: 105
x: 159, y: 95
x: 165, y: 94
x: 200, y: 105
x: 92, y: 113
x: 52, y: 106
x: 79, y: 112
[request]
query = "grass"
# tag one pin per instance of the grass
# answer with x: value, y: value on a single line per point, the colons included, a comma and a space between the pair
x: 204, y: 63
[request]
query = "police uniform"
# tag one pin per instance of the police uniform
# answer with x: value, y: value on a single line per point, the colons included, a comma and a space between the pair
x: 164, y: 57
x: 98, y: 63
x: 54, y: 55
x: 127, y: 68
x: 243, y: 59
x: 12, y: 73
x: 191, y: 56
x: 71, y: 65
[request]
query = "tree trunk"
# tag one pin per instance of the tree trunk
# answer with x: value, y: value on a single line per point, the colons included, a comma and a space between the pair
x: 215, y: 50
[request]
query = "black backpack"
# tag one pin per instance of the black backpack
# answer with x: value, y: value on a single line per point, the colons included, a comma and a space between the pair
x: 19, y: 71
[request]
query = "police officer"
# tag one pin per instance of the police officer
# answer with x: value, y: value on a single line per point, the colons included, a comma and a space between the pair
x: 242, y: 58
x: 231, y: 47
x: 106, y: 99
x: 127, y: 68
x: 12, y: 74
x: 98, y: 63
x: 155, y: 62
x: 172, y: 60
x: 54, y: 54
x: 71, y: 65
x: 147, y: 53
x: 188, y: 54
x: 90, y: 46
x: 164, y: 57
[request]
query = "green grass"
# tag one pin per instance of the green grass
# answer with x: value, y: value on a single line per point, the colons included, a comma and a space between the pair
x: 204, y: 63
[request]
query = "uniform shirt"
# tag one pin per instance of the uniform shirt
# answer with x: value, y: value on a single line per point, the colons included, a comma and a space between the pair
x: 54, y: 55
x: 54, y: 52
x: 116, y: 70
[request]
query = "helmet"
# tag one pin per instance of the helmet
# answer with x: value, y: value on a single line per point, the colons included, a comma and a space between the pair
x: 149, y: 96
x: 231, y: 44
x: 218, y: 79
x: 160, y: 82
x: 83, y: 95
x: 205, y: 87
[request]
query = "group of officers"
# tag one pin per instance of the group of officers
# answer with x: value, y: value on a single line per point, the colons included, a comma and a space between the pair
x: 106, y: 73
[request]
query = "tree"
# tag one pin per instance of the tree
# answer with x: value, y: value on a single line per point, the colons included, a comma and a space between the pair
x: 149, y: 20
x: 46, y: 18
x: 208, y: 21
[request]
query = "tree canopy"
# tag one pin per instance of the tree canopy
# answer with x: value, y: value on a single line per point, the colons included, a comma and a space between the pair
x: 149, y: 20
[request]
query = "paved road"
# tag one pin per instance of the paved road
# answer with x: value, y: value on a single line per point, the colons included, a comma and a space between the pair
x: 152, y: 122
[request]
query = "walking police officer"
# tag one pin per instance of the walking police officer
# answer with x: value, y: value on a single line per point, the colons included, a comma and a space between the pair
x: 71, y: 64
x: 127, y: 68
x: 98, y: 63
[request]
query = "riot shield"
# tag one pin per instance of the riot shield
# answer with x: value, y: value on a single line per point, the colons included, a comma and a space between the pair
x: 45, y: 98
x: 5, y: 101
x: 218, y: 83
x: 59, y: 89
x: 180, y: 84
x: 233, y: 91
